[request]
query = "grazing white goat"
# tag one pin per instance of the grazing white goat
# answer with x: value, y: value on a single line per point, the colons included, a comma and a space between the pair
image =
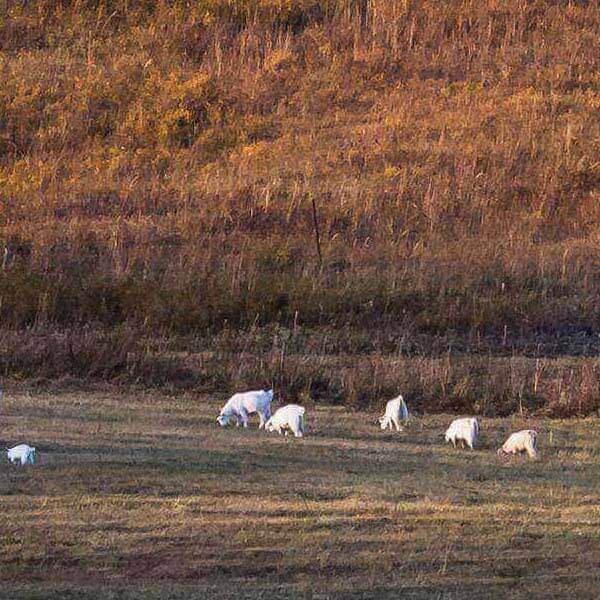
x: 240, y: 406
x: 395, y: 411
x: 287, y: 418
x: 463, y: 430
x: 22, y: 452
x: 521, y: 441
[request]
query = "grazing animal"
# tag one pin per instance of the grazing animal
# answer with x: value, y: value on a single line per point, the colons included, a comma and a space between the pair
x: 287, y: 418
x: 395, y: 411
x: 463, y: 430
x: 240, y: 406
x: 22, y: 452
x: 519, y: 442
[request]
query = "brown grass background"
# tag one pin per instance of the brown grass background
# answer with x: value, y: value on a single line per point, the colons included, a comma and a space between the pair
x: 158, y: 167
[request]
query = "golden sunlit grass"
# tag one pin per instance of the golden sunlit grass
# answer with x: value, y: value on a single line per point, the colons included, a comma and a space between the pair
x: 142, y: 495
x: 158, y: 163
x: 166, y: 169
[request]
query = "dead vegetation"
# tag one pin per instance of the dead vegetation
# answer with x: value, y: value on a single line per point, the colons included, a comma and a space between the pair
x: 159, y: 164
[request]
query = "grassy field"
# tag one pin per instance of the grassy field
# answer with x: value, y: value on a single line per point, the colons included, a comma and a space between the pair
x: 166, y: 167
x: 140, y: 494
x: 339, y: 199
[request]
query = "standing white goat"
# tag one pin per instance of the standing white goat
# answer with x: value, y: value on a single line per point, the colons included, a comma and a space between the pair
x: 240, y: 406
x: 22, y: 452
x: 395, y: 411
x: 519, y: 442
x: 289, y: 417
x: 463, y: 430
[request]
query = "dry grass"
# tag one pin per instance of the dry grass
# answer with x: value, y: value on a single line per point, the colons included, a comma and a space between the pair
x: 323, y: 365
x: 141, y: 495
x: 158, y: 163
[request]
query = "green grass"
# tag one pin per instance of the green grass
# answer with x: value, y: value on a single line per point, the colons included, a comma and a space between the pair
x: 142, y: 495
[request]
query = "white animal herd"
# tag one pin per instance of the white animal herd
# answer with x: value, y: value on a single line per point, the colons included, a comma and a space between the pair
x: 290, y: 418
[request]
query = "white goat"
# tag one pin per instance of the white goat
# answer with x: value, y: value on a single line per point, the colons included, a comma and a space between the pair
x: 463, y: 430
x: 287, y: 418
x: 240, y: 406
x: 521, y: 441
x: 22, y: 452
x: 395, y: 411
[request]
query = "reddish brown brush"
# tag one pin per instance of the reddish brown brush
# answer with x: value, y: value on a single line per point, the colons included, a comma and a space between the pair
x: 420, y: 176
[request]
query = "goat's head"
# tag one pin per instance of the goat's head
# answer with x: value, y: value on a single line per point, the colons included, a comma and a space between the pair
x: 223, y: 419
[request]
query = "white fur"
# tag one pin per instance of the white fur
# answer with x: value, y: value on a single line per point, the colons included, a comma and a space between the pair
x: 22, y: 452
x: 521, y: 441
x: 288, y: 417
x: 463, y: 430
x: 240, y: 406
x: 395, y: 411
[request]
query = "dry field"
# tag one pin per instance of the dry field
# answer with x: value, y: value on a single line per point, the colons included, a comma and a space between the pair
x: 338, y: 198
x: 141, y: 495
x: 160, y: 161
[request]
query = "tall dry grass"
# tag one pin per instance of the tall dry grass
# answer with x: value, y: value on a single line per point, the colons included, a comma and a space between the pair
x: 159, y: 161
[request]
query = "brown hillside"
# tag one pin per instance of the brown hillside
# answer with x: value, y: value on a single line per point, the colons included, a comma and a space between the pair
x: 159, y: 162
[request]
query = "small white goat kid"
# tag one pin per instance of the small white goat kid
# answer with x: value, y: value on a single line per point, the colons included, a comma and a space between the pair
x: 22, y: 452
x: 240, y: 406
x: 519, y: 442
x: 287, y: 418
x: 395, y: 411
x: 463, y: 430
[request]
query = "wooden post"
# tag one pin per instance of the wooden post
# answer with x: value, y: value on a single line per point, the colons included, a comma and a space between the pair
x: 316, y: 224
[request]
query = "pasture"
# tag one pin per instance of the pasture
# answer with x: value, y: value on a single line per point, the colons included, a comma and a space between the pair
x: 140, y: 494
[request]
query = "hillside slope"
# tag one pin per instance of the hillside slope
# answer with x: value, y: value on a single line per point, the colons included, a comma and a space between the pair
x: 165, y: 167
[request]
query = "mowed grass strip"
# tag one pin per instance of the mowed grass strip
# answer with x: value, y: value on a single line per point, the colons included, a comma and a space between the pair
x: 143, y: 495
